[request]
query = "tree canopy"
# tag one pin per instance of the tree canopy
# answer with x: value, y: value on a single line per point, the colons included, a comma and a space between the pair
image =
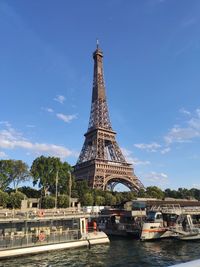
x: 13, y: 171
x: 49, y: 171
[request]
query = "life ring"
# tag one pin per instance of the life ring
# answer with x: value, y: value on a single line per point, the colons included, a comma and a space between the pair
x: 41, y: 213
x: 42, y: 236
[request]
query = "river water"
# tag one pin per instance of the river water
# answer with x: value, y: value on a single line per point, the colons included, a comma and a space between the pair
x: 120, y: 253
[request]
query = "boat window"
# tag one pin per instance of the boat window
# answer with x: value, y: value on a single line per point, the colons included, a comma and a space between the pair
x: 151, y: 216
x: 159, y: 216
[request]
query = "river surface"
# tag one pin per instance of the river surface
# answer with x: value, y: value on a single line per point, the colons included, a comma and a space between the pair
x: 120, y: 253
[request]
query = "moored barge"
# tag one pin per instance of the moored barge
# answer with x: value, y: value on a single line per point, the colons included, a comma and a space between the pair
x: 36, y: 231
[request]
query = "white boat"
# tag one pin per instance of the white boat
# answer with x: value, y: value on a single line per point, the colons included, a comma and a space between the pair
x: 185, y: 228
x: 168, y: 221
x: 45, y: 230
x: 155, y: 227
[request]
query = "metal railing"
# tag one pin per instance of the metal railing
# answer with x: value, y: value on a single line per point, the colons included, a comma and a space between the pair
x: 17, y: 240
x: 39, y: 213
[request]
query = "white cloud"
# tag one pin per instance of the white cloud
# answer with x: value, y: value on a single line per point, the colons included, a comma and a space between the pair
x: 180, y: 135
x: 165, y: 150
x: 152, y: 147
x: 184, y: 133
x: 196, y: 186
x: 5, y: 123
x: 11, y: 139
x: 66, y: 118
x: 130, y: 159
x: 191, y: 130
x: 184, y: 111
x: 50, y: 110
x: 159, y: 179
x: 60, y: 99
x: 3, y: 154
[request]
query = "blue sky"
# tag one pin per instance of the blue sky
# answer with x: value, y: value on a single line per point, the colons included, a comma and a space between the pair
x: 151, y: 64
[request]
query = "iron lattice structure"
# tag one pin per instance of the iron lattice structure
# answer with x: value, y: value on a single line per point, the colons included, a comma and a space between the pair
x: 101, y: 161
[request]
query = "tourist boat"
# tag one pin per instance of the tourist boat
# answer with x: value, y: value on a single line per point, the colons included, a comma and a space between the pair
x: 38, y: 231
x: 158, y: 222
x: 166, y: 221
x: 119, y: 222
x: 187, y: 227
x: 154, y: 227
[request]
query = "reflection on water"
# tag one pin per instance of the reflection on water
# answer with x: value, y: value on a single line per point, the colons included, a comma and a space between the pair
x: 121, y: 252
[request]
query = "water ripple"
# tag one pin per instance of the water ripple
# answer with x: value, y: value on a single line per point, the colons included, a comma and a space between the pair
x: 121, y: 252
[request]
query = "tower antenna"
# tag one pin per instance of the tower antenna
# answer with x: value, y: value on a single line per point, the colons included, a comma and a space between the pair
x: 97, y: 43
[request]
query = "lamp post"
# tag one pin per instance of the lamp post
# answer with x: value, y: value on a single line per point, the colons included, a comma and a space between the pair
x: 56, y: 198
x: 70, y: 185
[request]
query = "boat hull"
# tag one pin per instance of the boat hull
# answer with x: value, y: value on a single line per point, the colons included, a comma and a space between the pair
x: 152, y: 231
x: 87, y: 240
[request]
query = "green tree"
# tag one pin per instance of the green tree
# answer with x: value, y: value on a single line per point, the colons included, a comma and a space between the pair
x: 15, y: 199
x: 64, y: 178
x: 171, y: 193
x: 99, y: 200
x: 30, y: 192
x: 195, y: 193
x: 4, y: 174
x: 155, y: 192
x: 128, y: 196
x: 141, y: 193
x: 13, y: 171
x: 184, y: 193
x: 49, y: 171
x: 110, y: 199
x: 48, y: 202
x: 119, y: 198
x: 63, y: 201
x: 82, y: 189
x: 87, y: 199
x: 4, y: 199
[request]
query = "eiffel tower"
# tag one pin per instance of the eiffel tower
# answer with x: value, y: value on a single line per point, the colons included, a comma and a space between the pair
x: 101, y: 161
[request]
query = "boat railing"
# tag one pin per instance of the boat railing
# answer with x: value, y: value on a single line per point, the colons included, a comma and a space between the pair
x: 21, y: 239
x: 38, y: 213
x: 176, y: 208
x: 168, y: 208
x: 191, y: 210
x: 178, y: 228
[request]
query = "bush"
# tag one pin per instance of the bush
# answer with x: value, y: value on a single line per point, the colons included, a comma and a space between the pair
x: 99, y: 201
x: 48, y: 202
x: 4, y: 199
x: 15, y: 199
x: 63, y: 201
x: 110, y: 200
x: 87, y: 199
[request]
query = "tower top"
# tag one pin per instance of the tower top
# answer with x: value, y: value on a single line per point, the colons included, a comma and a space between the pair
x: 99, y: 117
x: 98, y: 51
